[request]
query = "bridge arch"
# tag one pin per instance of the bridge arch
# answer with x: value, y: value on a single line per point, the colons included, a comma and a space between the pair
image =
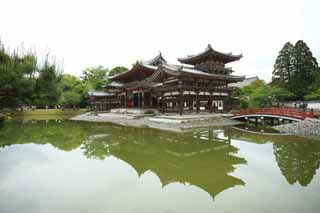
x: 278, y: 113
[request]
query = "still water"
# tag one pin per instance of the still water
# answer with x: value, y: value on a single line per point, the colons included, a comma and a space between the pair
x: 62, y: 166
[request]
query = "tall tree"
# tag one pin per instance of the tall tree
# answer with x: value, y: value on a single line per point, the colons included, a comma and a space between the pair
x: 47, y: 84
x: 305, y: 69
x: 283, y: 69
x: 296, y: 69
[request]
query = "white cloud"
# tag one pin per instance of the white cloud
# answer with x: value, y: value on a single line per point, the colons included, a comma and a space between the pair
x: 119, y: 32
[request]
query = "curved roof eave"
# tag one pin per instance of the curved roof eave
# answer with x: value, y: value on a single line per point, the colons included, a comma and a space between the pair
x: 209, y: 50
x: 137, y: 64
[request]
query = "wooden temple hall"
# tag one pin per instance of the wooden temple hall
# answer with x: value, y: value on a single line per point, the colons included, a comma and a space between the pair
x: 200, y: 83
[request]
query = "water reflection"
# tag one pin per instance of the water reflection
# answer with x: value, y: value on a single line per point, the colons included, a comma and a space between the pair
x: 198, y: 159
x: 203, y: 158
x: 298, y: 158
x: 298, y: 161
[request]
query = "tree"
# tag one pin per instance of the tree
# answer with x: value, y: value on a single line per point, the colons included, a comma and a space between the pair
x: 283, y: 69
x: 17, y: 77
x: 258, y: 95
x: 72, y: 91
x: 95, y: 77
x: 70, y: 99
x: 305, y: 69
x: 296, y: 70
x: 47, y: 92
x: 117, y: 70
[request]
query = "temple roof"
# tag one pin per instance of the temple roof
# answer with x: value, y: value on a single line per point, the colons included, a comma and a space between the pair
x: 177, y: 70
x: 138, y: 72
x: 210, y: 54
x: 156, y: 60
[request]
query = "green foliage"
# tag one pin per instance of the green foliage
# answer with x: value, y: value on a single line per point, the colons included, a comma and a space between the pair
x: 243, y: 104
x: 17, y: 77
x: 47, y: 91
x: 70, y: 98
x: 296, y: 70
x: 95, y: 77
x: 283, y: 69
x: 117, y: 70
x: 258, y: 95
x: 315, y: 95
x: 72, y: 91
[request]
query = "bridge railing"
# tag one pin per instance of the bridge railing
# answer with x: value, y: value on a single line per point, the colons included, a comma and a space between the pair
x: 288, y: 112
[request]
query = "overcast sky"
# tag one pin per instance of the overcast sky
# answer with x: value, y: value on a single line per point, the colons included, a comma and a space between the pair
x: 118, y: 32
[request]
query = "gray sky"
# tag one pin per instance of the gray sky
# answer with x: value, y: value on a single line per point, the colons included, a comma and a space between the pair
x: 118, y: 32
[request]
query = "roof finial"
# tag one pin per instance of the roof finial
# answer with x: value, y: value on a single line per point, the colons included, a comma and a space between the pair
x: 209, y: 46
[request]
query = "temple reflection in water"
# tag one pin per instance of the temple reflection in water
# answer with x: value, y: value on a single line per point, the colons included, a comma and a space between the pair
x: 199, y: 158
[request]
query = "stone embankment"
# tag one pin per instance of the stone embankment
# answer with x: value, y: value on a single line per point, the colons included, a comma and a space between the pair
x: 171, y: 122
x: 307, y: 128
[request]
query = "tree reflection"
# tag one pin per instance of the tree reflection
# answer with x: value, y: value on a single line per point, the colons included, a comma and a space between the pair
x: 298, y: 161
x: 62, y: 135
x: 298, y: 158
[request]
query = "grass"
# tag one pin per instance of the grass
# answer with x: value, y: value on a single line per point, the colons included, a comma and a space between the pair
x: 48, y: 113
x: 51, y: 112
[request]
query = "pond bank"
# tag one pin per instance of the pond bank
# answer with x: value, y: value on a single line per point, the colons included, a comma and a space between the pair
x: 306, y: 128
x: 164, y: 122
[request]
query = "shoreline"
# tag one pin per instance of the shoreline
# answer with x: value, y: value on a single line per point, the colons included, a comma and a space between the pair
x: 175, y: 125
x: 309, y: 128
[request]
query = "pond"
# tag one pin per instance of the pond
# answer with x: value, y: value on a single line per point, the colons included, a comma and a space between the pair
x: 63, y: 166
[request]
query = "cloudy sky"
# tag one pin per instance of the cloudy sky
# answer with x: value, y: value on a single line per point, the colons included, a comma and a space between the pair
x: 118, y: 32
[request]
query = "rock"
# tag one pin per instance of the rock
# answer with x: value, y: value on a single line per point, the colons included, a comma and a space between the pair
x: 308, y: 127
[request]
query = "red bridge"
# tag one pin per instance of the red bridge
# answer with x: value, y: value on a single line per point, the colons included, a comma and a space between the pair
x: 283, y: 113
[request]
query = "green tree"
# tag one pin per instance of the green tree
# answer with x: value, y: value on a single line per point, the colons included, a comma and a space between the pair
x: 296, y: 70
x: 17, y: 77
x: 117, y: 70
x: 258, y: 95
x: 95, y: 77
x: 72, y: 91
x: 305, y: 69
x: 47, y: 92
x: 70, y: 99
x: 283, y: 69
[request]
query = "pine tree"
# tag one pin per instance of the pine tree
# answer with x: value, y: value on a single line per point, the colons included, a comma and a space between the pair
x: 305, y: 69
x: 282, y: 72
x: 296, y: 69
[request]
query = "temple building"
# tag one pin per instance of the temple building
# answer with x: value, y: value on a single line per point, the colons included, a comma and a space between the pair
x: 199, y: 84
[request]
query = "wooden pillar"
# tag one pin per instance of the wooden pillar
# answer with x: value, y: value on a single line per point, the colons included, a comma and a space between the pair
x: 150, y: 99
x: 180, y: 102
x: 142, y: 99
x: 125, y: 99
x: 191, y: 105
x: 163, y: 102
x: 197, y: 102
x: 210, y: 102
